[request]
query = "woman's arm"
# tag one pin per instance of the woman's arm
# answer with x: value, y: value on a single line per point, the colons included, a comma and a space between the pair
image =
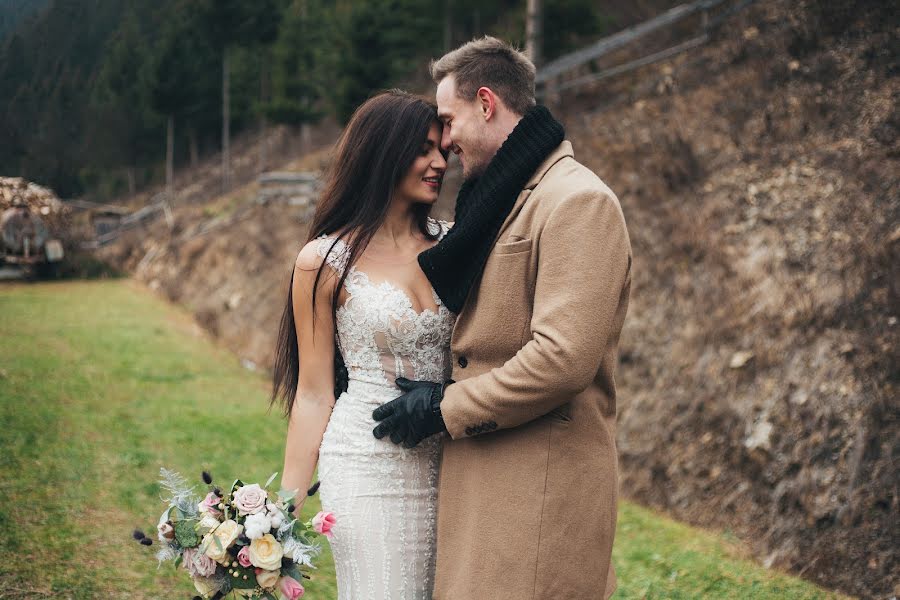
x: 315, y: 386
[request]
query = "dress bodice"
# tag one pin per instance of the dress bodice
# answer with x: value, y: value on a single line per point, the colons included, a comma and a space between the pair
x: 380, y: 335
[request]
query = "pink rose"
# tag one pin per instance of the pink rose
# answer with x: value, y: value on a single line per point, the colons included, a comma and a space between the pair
x: 290, y: 588
x: 250, y: 499
x: 210, y: 504
x: 243, y: 556
x: 323, y: 522
x: 197, y: 563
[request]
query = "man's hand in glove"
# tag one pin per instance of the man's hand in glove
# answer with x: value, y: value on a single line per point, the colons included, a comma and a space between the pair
x: 413, y: 416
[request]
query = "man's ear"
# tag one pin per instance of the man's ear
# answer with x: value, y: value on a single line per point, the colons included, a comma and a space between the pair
x: 487, y: 102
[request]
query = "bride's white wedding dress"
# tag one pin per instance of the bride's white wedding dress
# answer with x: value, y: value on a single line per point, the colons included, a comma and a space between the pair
x: 382, y: 495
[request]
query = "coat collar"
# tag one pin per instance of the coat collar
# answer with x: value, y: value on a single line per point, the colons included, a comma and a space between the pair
x: 562, y: 151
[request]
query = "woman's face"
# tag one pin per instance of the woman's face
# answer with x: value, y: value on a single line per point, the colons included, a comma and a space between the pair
x: 422, y: 183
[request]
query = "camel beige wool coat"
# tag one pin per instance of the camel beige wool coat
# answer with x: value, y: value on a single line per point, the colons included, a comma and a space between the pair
x: 528, y: 483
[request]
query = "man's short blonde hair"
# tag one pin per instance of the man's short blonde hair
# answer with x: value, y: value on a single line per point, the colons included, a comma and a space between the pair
x: 489, y: 62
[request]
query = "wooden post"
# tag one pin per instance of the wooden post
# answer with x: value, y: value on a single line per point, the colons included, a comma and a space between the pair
x: 533, y: 31
x: 170, y: 155
x: 263, y: 124
x: 448, y: 25
x: 226, y: 123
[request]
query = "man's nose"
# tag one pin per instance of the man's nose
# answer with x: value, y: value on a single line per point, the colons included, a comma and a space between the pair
x: 446, y: 142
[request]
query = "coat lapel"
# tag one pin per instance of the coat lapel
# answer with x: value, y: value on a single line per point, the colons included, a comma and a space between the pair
x: 562, y: 151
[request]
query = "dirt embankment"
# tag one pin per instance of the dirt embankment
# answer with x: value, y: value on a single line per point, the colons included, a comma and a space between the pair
x: 759, y: 178
x: 760, y: 359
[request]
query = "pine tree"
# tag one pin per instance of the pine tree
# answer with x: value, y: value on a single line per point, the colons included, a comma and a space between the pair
x: 231, y: 23
x: 297, y: 76
x: 127, y: 128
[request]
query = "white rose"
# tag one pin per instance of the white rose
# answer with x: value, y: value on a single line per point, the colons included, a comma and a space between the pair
x: 266, y: 553
x: 227, y: 532
x: 268, y: 579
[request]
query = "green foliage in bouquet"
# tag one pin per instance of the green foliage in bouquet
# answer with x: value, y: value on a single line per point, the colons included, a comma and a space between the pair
x: 186, y: 533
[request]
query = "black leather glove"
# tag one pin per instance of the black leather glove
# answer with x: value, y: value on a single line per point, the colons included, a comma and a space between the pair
x: 413, y: 416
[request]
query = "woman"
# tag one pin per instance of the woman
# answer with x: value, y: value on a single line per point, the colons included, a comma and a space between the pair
x: 357, y: 289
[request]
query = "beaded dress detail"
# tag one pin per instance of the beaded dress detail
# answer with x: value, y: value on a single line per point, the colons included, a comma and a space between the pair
x: 383, y: 496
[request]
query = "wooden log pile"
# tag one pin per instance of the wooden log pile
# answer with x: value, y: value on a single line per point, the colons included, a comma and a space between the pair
x: 40, y: 200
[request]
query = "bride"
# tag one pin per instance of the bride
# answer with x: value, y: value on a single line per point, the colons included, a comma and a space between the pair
x: 357, y: 290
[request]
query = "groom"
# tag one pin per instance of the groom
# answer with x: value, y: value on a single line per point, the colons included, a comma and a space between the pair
x: 538, y: 268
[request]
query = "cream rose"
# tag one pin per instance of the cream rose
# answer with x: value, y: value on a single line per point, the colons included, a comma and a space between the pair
x: 208, y: 523
x: 266, y: 553
x: 267, y: 579
x: 227, y: 532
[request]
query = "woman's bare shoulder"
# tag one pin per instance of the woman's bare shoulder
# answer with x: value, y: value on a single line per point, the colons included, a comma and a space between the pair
x: 309, y: 258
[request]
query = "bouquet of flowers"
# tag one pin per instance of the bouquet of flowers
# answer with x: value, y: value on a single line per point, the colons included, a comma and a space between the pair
x: 241, y: 540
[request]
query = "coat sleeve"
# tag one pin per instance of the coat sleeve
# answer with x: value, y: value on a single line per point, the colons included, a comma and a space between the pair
x: 584, y: 266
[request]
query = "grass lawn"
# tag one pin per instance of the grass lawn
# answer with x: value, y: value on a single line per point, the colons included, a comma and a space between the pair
x: 101, y: 383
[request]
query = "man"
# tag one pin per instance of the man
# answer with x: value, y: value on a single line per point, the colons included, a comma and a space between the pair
x: 538, y: 268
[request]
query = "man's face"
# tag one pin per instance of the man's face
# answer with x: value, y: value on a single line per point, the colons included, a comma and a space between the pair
x: 465, y: 129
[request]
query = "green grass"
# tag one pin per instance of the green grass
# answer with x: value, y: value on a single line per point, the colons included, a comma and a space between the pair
x: 101, y: 383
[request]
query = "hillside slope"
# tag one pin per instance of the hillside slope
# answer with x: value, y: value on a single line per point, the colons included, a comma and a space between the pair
x: 759, y: 178
x: 759, y: 361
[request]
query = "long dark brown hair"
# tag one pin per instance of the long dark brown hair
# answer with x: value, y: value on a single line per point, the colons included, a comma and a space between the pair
x: 378, y: 147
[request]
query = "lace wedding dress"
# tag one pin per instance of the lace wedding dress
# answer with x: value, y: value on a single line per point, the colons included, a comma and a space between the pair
x: 382, y: 495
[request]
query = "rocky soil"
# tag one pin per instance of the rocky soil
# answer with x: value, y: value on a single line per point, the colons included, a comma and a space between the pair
x: 759, y: 178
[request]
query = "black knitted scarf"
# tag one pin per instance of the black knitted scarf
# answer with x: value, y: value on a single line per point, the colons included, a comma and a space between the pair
x: 483, y: 204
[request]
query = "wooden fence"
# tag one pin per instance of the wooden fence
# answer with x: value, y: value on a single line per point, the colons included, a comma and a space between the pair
x: 562, y: 74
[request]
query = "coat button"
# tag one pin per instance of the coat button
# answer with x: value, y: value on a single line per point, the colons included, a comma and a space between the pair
x: 463, y: 362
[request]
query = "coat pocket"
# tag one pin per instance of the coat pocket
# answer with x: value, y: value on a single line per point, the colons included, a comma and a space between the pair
x: 561, y: 414
x: 505, y: 297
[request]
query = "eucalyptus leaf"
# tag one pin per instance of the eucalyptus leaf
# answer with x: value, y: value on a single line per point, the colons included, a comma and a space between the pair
x: 292, y: 571
x: 271, y: 479
x: 287, y: 495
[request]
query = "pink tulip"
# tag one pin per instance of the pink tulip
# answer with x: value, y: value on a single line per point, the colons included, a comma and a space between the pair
x: 290, y: 588
x: 323, y: 523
